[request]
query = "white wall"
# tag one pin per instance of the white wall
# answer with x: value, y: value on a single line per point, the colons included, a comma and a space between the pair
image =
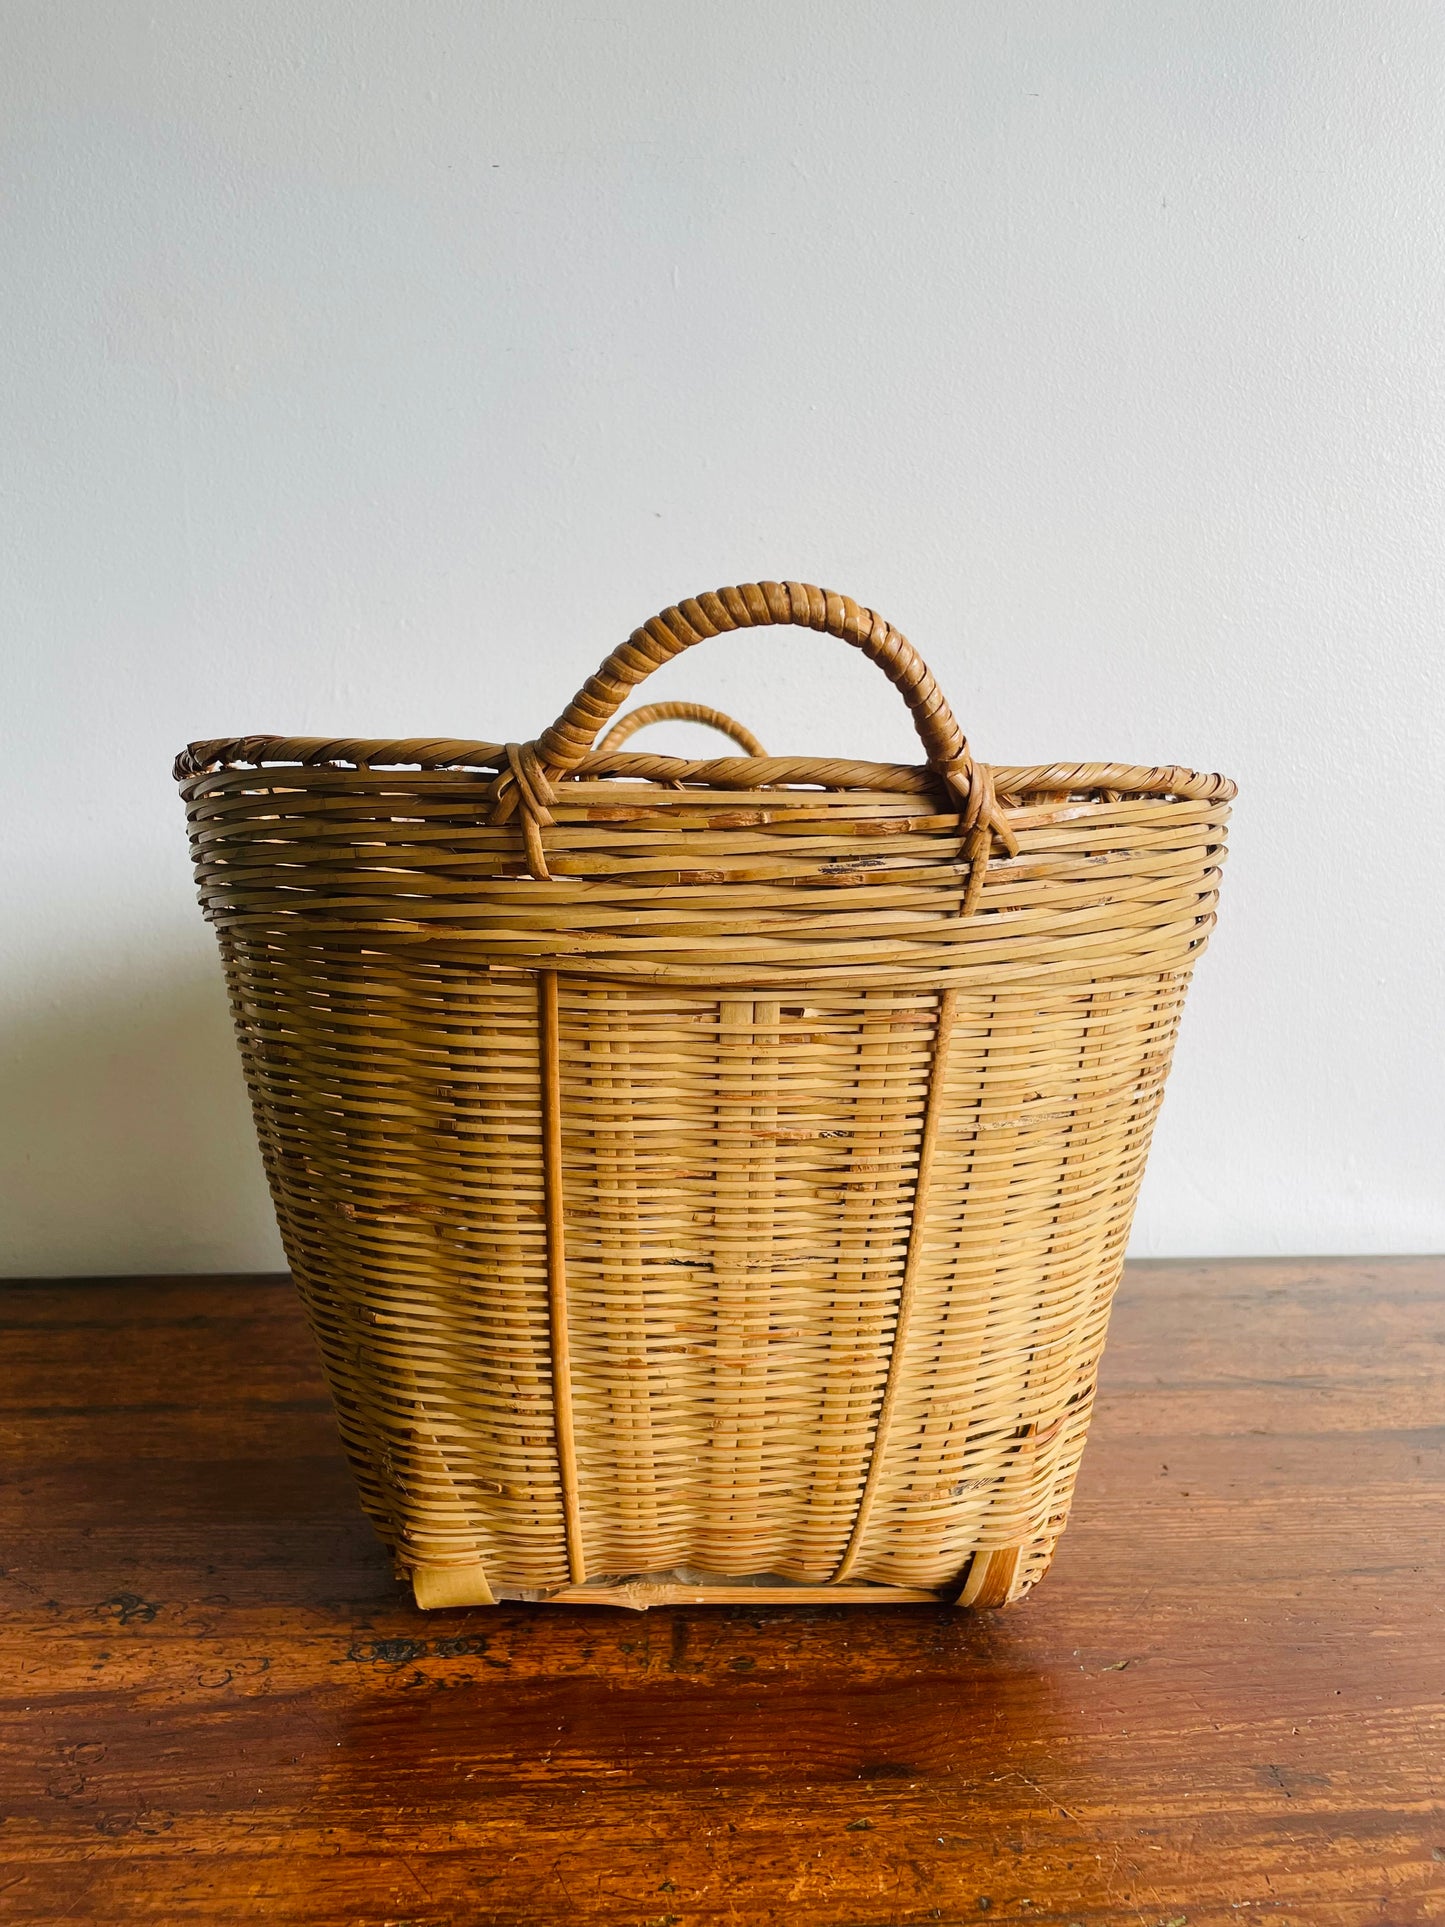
x: 372, y: 368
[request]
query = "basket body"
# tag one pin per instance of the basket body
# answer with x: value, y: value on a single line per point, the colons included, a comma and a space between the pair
x: 726, y: 1206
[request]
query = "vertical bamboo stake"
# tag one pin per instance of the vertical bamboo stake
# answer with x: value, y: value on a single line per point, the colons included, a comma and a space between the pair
x: 880, y: 1124
x: 907, y: 1289
x: 557, y: 1269
x: 732, y: 1247
x: 624, y: 1268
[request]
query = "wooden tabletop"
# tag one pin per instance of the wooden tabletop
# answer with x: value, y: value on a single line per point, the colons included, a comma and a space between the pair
x: 1226, y: 1703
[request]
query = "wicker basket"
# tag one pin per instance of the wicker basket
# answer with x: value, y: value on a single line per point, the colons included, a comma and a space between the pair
x: 706, y: 1180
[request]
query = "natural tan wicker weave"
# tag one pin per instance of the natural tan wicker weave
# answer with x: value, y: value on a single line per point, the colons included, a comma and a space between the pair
x: 707, y: 1180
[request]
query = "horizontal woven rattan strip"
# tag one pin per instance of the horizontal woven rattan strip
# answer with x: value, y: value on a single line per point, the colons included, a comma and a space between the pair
x: 662, y: 882
x: 1011, y: 780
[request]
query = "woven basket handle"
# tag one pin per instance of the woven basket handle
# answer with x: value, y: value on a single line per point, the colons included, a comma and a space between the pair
x: 754, y: 605
x: 651, y: 713
x: 525, y: 786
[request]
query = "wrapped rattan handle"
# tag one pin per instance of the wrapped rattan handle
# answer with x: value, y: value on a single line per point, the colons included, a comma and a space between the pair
x: 650, y: 713
x: 525, y: 787
x: 753, y: 605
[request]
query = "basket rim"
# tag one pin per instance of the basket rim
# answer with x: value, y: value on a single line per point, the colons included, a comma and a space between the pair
x: 218, y: 755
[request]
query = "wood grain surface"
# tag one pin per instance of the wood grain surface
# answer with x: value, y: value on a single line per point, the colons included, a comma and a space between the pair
x: 1226, y: 1703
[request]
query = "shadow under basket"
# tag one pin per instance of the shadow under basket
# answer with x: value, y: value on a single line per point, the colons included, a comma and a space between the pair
x: 707, y: 1180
